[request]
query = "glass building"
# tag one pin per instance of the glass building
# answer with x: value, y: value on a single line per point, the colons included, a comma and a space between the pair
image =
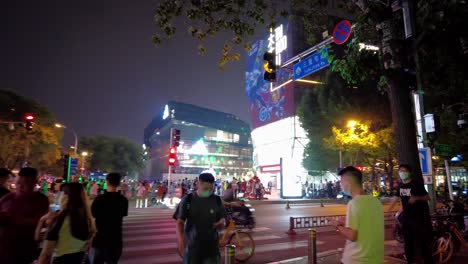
x: 209, y: 140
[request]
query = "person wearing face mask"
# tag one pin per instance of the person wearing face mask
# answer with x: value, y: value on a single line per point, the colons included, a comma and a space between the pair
x: 415, y: 218
x: 200, y: 215
x: 363, y: 227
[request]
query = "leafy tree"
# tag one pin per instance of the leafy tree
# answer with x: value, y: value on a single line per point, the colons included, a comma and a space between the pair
x: 112, y: 154
x: 39, y: 147
x: 377, y: 23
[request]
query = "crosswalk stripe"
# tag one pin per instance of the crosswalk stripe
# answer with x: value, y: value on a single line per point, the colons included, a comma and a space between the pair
x: 173, y: 237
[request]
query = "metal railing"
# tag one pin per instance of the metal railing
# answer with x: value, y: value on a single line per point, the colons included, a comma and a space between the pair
x: 324, y: 221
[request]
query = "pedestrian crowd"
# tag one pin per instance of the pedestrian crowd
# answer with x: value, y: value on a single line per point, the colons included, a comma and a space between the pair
x: 60, y: 225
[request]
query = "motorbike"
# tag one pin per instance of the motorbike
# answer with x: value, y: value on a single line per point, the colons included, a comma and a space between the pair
x: 242, y: 213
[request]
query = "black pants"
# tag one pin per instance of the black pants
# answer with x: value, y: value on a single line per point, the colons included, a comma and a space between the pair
x: 418, y: 240
x: 74, y: 258
x: 108, y: 255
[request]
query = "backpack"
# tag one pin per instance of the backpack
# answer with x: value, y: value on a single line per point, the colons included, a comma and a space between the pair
x: 219, y: 203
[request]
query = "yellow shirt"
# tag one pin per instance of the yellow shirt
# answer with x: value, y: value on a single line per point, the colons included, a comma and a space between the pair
x: 67, y: 243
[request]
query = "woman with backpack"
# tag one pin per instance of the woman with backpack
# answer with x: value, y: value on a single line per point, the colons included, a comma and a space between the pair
x: 71, y: 231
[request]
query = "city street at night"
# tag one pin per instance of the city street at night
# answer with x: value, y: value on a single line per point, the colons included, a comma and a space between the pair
x: 149, y: 234
x: 329, y: 131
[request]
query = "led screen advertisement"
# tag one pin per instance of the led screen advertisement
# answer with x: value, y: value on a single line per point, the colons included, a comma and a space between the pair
x: 268, y: 106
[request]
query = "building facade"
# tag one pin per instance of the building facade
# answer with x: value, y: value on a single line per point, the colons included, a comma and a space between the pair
x: 209, y: 140
x: 277, y: 134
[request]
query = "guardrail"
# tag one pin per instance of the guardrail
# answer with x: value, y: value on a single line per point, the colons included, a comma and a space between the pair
x: 323, y: 221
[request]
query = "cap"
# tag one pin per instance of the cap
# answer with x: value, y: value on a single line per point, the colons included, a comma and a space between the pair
x: 206, y: 177
x: 5, y: 172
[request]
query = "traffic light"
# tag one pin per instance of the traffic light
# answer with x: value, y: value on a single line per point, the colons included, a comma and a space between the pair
x: 175, y: 137
x: 269, y: 66
x: 29, y: 121
x: 172, y: 156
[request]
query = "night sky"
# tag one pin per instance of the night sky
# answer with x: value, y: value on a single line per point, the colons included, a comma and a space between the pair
x: 92, y: 63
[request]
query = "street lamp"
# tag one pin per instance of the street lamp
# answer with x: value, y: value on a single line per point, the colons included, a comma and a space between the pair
x: 351, y: 124
x: 57, y: 125
x: 83, y: 154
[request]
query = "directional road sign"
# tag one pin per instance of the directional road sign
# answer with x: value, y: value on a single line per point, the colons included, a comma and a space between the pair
x: 444, y: 150
x: 426, y: 161
x: 74, y: 166
x: 311, y: 64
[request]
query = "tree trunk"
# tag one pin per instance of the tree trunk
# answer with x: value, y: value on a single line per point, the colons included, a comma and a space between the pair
x: 400, y: 100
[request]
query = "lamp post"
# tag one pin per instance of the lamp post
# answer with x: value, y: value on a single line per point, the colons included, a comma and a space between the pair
x: 83, y: 154
x: 74, y: 134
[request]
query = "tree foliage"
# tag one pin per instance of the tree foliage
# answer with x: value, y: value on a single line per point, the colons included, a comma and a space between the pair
x: 108, y: 154
x: 440, y: 40
x: 39, y: 147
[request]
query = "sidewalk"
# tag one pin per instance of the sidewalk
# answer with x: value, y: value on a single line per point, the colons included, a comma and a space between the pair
x: 392, y: 249
x: 393, y: 255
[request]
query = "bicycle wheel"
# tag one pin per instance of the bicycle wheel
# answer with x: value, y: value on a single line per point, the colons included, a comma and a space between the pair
x: 245, y: 245
x: 442, y: 249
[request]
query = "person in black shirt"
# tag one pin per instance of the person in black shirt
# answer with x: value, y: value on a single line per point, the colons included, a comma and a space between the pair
x: 4, y: 175
x: 108, y: 209
x: 416, y: 219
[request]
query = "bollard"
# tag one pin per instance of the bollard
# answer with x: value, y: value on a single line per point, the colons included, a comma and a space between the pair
x: 321, y: 203
x: 229, y: 256
x: 291, y: 227
x: 312, y: 246
x: 287, y: 205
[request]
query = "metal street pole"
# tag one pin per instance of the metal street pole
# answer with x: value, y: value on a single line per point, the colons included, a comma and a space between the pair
x: 449, y: 179
x: 170, y: 167
x: 341, y: 160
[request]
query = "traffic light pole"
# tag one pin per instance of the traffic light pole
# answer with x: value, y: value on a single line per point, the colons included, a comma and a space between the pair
x: 170, y: 167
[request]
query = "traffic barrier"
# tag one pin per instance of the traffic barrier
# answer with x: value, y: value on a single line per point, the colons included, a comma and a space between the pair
x: 287, y: 205
x: 323, y: 221
x: 312, y: 246
x: 229, y: 256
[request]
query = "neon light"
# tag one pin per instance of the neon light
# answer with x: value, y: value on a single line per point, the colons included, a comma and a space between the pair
x: 166, y: 112
x: 69, y: 169
x: 279, y: 86
x: 309, y: 81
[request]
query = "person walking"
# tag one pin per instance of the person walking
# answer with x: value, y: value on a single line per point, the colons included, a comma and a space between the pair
x: 415, y: 218
x: 201, y: 214
x: 71, y: 231
x: 141, y: 195
x: 363, y: 227
x: 109, y: 210
x: 19, y: 215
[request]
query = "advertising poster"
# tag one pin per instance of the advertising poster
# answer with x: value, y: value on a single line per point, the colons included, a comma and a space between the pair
x: 265, y: 106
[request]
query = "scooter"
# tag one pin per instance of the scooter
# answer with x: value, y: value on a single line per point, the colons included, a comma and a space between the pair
x: 243, y: 214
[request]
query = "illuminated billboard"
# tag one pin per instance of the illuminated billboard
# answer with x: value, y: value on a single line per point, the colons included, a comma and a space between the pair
x: 265, y: 106
x: 281, y: 142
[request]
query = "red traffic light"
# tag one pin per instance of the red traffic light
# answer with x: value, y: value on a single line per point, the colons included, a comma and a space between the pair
x: 29, y: 117
x: 172, y: 157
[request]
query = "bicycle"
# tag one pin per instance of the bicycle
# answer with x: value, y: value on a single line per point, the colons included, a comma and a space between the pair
x: 448, y: 238
x: 245, y: 245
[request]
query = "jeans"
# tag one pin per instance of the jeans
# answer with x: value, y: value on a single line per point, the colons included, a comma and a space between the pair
x: 73, y: 258
x: 194, y: 258
x: 109, y: 255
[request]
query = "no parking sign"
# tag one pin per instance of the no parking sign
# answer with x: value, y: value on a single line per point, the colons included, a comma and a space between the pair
x: 341, y: 32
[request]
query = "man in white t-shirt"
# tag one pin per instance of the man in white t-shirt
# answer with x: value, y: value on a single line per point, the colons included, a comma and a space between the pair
x: 364, y: 224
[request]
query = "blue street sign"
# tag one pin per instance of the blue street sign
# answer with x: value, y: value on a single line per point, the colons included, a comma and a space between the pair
x: 425, y: 160
x: 74, y: 166
x: 74, y: 162
x: 311, y: 64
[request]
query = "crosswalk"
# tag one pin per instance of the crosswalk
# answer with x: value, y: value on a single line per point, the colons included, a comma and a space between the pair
x: 149, y: 237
